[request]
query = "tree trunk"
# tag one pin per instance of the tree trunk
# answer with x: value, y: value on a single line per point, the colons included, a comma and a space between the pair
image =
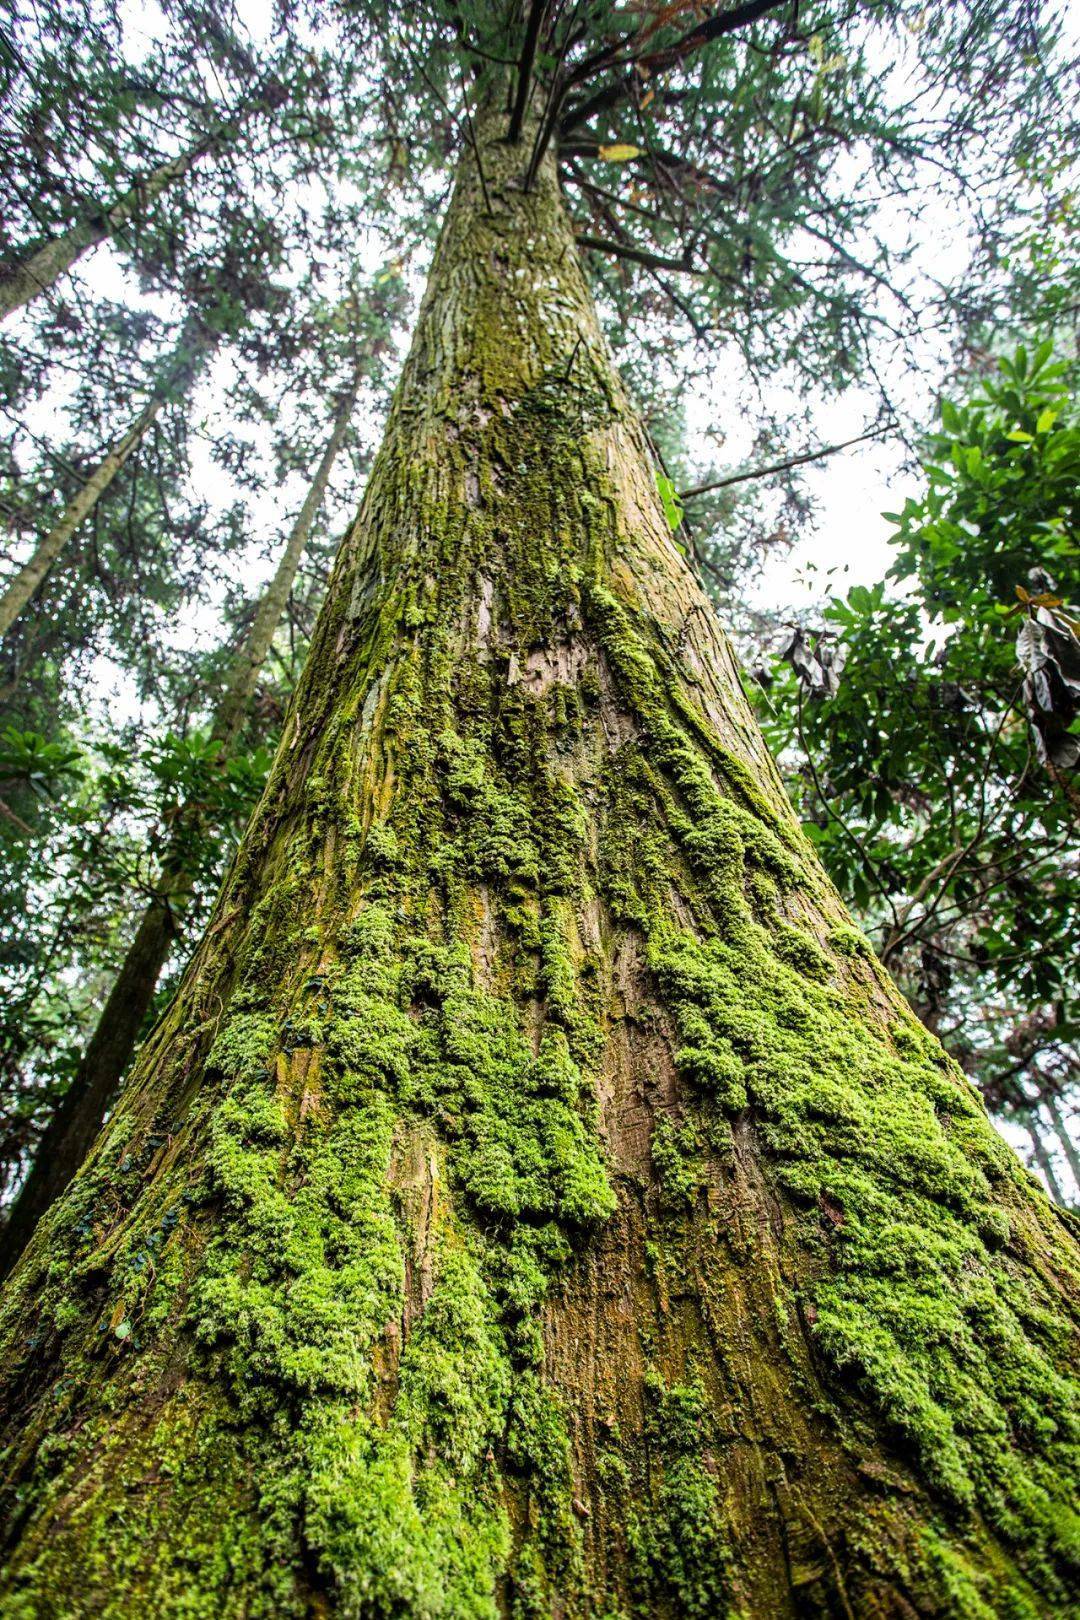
x: 71, y: 1132
x: 247, y: 666
x: 537, y: 1200
x: 1064, y: 1137
x: 77, y: 1120
x: 1041, y: 1157
x: 42, y: 269
x: 195, y: 342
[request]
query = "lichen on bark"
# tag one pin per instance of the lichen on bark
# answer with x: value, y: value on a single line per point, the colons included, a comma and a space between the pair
x: 537, y: 1200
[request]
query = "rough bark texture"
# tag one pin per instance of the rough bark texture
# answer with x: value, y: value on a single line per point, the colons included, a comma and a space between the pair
x: 537, y: 1200
x: 195, y: 343
x: 72, y: 1130
x: 42, y: 269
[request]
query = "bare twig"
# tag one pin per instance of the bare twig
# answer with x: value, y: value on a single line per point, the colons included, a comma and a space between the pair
x: 9, y: 813
x: 783, y: 466
x: 848, y: 832
x: 474, y: 143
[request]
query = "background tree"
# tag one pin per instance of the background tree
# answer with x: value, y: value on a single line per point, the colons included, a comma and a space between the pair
x: 219, y: 237
x: 932, y: 730
x: 110, y: 914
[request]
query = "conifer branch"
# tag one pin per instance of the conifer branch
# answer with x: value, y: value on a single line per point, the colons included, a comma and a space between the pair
x: 651, y: 261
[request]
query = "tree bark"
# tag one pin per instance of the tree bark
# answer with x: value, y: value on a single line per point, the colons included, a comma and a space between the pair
x: 24, y: 282
x: 537, y: 1200
x: 71, y: 1132
x: 195, y: 342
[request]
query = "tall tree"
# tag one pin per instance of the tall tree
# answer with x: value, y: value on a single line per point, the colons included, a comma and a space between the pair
x: 78, y: 1118
x: 98, y: 142
x: 19, y: 283
x: 537, y: 1198
x: 196, y: 343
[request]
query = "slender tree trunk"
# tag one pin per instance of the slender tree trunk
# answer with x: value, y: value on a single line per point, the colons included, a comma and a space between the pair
x: 71, y: 1132
x: 1043, y: 1159
x: 1064, y: 1136
x: 77, y: 1120
x: 32, y: 574
x: 247, y: 666
x: 194, y: 344
x: 42, y: 269
x: 537, y: 1200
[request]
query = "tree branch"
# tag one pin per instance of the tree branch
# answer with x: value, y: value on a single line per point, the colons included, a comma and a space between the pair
x: 783, y: 466
x: 525, y: 66
x: 727, y: 22
x: 849, y: 832
x: 652, y: 261
x: 712, y: 28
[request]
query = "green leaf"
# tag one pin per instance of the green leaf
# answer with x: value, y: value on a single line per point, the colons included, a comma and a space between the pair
x: 673, y: 508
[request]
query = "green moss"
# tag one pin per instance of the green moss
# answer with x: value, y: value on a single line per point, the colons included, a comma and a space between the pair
x: 914, y: 1297
x: 306, y: 1295
x: 381, y: 845
x: 675, y: 1152
x: 796, y: 947
x: 848, y: 941
x: 914, y: 1304
x: 679, y: 1550
x: 396, y: 1534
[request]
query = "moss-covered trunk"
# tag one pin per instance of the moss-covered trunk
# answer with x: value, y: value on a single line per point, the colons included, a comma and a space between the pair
x: 537, y: 1200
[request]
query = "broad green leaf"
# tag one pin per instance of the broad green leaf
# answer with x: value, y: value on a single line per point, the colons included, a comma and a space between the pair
x: 673, y: 509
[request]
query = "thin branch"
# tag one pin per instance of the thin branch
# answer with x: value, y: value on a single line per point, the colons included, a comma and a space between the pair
x: 537, y: 10
x: 901, y: 932
x: 557, y: 91
x: 9, y: 814
x: 471, y: 132
x: 727, y: 22
x: 783, y: 466
x: 849, y: 832
x: 652, y: 261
